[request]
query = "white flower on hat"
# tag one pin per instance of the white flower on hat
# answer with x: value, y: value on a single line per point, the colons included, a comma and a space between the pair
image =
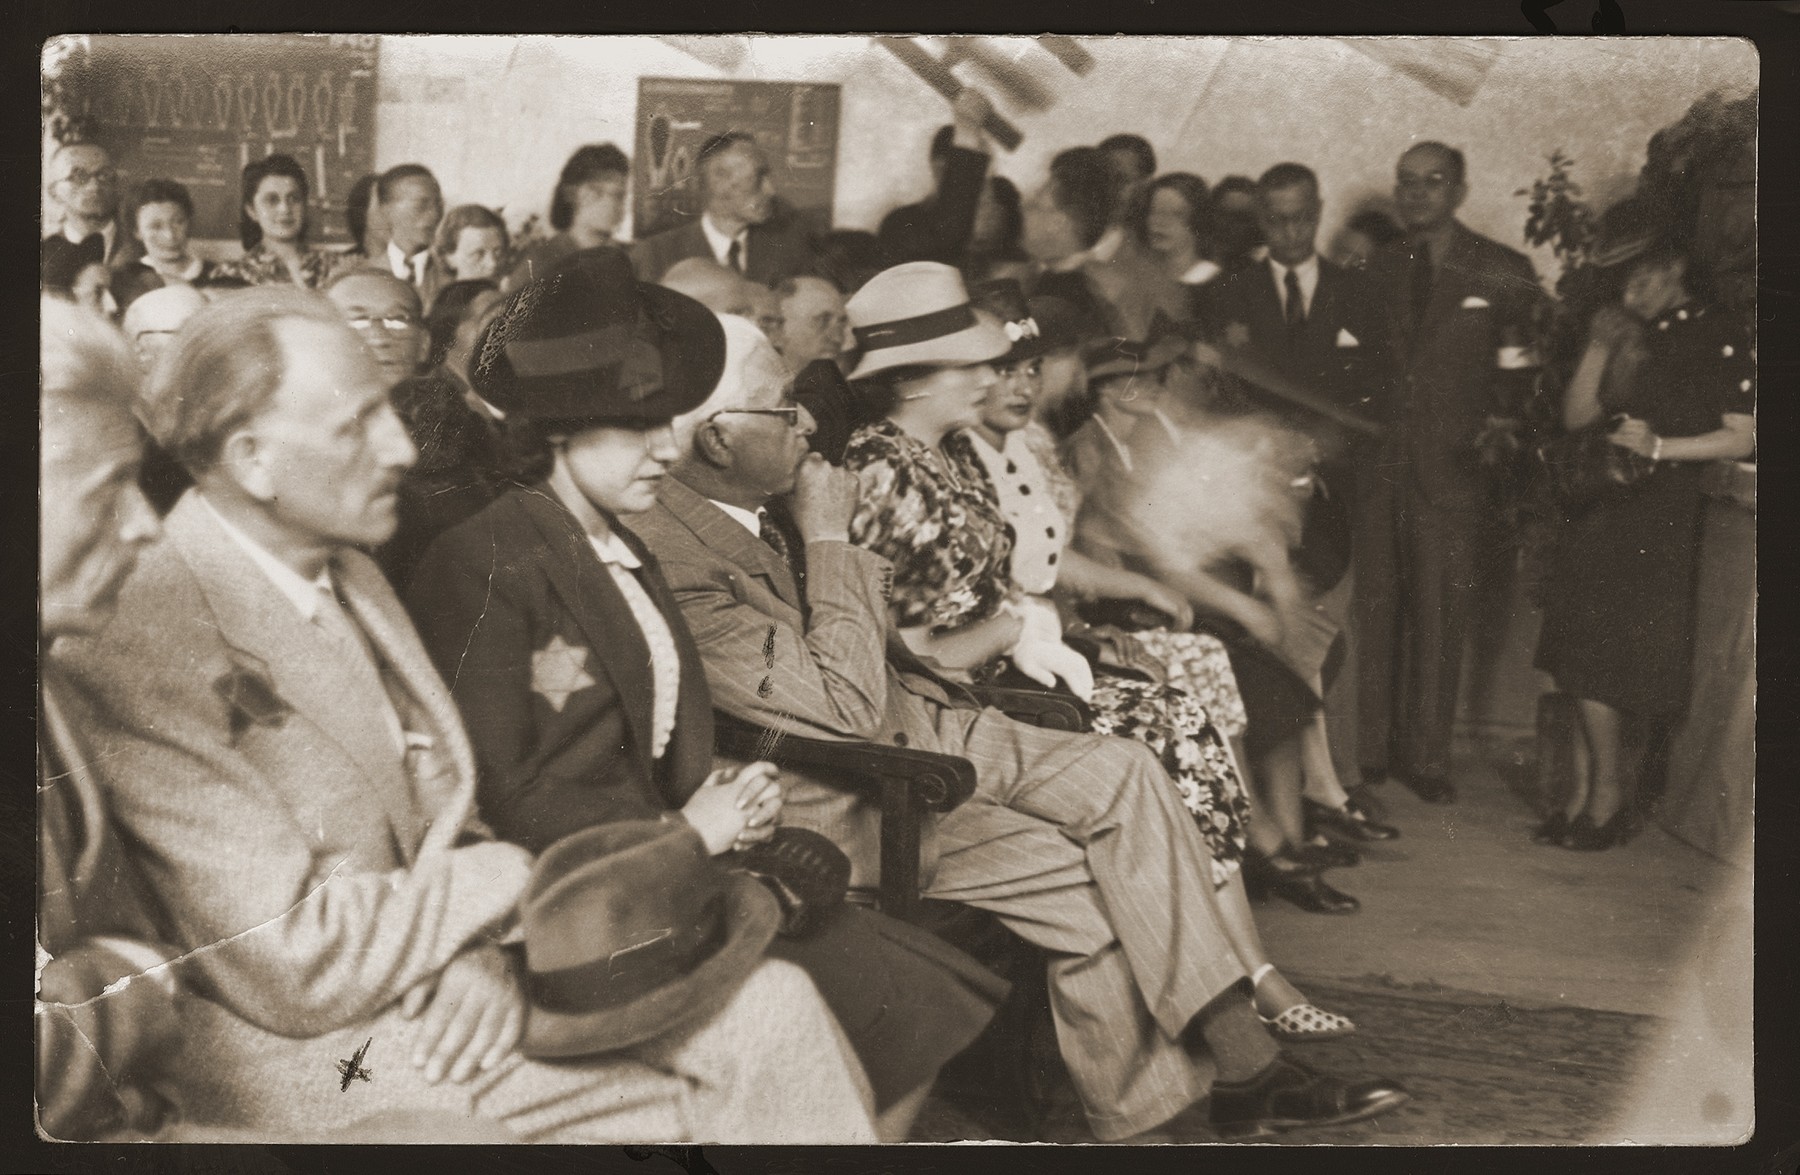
x: 1025, y: 328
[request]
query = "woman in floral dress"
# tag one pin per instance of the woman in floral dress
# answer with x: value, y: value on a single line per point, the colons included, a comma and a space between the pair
x: 273, y: 228
x: 926, y: 369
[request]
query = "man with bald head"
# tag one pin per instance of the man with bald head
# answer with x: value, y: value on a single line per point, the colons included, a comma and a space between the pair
x: 385, y: 312
x: 153, y: 318
x: 720, y: 290
x: 742, y: 224
x: 1456, y: 306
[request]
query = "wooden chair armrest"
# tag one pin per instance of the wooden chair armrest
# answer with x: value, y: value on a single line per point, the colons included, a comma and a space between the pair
x: 1037, y: 707
x: 907, y: 782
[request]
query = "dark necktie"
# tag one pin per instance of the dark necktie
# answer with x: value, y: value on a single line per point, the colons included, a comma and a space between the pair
x: 1421, y: 281
x: 1296, y: 305
x: 734, y: 256
x: 771, y: 534
x: 94, y: 245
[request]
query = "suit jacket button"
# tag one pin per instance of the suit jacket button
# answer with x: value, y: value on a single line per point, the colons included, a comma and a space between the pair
x: 900, y: 738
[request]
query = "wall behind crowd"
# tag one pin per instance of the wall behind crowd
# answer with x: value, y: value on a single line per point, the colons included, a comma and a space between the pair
x: 496, y: 116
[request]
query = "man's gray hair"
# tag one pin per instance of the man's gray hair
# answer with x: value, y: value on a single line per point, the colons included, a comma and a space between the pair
x: 223, y: 366
x: 743, y: 338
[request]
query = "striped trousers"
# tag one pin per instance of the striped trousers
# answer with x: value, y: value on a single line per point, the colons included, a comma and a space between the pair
x: 1079, y: 843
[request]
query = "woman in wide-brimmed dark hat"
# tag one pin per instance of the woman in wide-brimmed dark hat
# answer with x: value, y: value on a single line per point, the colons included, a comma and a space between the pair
x: 583, y: 691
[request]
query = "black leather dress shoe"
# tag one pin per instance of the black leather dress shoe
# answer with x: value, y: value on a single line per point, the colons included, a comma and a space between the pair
x: 1294, y: 881
x: 1347, y: 823
x: 1324, y: 854
x: 1289, y: 1096
x: 1433, y: 789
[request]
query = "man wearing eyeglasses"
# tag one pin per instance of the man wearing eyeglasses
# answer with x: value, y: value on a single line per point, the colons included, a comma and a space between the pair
x: 1455, y: 304
x: 85, y: 189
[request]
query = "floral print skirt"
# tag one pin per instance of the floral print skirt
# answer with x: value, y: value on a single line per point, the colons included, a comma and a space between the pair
x: 1196, y: 663
x: 1175, y: 725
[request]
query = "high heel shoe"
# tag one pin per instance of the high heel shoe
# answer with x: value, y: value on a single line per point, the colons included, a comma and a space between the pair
x: 1303, y: 1021
x: 1585, y: 836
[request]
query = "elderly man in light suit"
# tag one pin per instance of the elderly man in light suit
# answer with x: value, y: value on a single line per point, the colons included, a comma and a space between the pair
x: 1077, y: 841
x: 290, y: 773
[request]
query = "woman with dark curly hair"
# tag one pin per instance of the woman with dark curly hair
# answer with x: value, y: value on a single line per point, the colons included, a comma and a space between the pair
x: 272, y: 226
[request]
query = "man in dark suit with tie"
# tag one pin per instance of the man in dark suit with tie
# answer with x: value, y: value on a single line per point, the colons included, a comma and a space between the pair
x: 742, y: 224
x: 1452, y: 300
x: 1313, y: 322
x: 84, y: 185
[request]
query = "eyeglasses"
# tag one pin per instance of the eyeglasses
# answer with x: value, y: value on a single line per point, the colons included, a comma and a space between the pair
x: 392, y: 323
x: 79, y: 178
x: 791, y: 414
x: 1436, y: 179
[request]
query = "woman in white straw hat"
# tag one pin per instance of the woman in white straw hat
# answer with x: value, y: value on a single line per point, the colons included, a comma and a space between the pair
x: 927, y: 365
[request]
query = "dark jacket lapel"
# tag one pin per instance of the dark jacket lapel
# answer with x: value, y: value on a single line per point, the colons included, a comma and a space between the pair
x: 587, y: 590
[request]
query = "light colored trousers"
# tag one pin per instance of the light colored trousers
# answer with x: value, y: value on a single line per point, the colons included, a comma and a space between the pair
x: 771, y: 1067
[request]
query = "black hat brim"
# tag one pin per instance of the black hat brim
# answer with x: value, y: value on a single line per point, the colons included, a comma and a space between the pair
x: 692, y: 347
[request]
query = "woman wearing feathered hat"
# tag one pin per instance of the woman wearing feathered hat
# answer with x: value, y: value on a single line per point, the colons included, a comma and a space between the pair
x: 584, y: 694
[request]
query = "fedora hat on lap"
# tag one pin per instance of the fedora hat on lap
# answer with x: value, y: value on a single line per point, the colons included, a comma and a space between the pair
x: 918, y: 314
x: 631, y: 931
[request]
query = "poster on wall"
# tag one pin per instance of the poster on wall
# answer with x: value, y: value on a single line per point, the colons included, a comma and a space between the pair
x: 198, y: 110
x: 796, y: 123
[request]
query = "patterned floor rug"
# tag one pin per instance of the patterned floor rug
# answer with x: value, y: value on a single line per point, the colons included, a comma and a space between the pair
x: 1481, y: 1071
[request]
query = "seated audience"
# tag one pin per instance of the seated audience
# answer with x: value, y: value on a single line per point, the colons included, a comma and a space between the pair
x: 412, y: 205
x: 1190, y: 687
x: 272, y: 226
x: 741, y: 223
x: 586, y: 208
x: 939, y: 228
x: 157, y: 219
x: 627, y: 733
x: 1239, y: 580
x: 98, y: 1050
x: 298, y: 792
x: 471, y: 244
x: 457, y: 317
x: 1077, y: 841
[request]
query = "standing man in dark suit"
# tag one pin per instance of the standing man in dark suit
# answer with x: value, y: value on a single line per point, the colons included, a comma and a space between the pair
x: 741, y: 225
x: 1452, y: 300
x: 1314, y: 322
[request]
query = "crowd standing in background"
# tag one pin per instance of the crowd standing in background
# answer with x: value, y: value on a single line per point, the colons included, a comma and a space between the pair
x: 455, y: 549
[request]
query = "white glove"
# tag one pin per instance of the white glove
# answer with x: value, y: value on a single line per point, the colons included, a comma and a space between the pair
x: 1045, y: 661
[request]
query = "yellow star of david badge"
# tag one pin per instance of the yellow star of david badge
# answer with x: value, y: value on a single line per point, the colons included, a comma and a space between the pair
x: 558, y: 670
